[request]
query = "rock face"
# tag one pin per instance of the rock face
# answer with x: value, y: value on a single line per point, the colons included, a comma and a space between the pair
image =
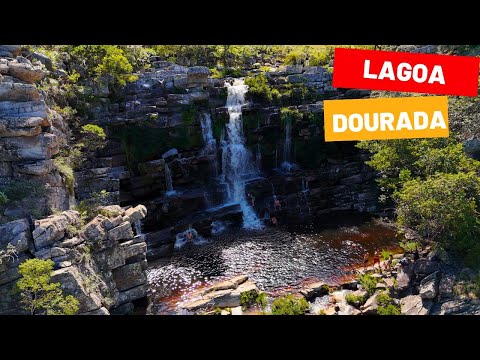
x: 30, y: 135
x: 222, y: 295
x: 429, y: 286
x: 415, y: 305
x: 104, y: 270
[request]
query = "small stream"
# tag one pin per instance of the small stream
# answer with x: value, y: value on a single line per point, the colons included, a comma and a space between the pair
x: 277, y: 259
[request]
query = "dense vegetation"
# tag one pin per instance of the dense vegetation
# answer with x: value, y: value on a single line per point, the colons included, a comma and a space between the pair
x: 38, y: 294
x: 289, y: 305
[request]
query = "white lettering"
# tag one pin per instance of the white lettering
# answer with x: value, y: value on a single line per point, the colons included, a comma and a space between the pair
x: 351, y: 123
x: 336, y: 119
x: 437, y: 120
x: 387, y: 71
x: 417, y: 115
x: 416, y: 69
x: 405, y: 75
x: 368, y: 126
x: 386, y: 120
x: 437, y: 75
x: 366, y: 71
x: 404, y: 121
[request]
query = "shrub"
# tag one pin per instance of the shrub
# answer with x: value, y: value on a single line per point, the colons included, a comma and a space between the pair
x: 38, y: 294
x: 410, y: 246
x: 21, y: 189
x: 293, y: 115
x: 262, y: 300
x: 259, y: 89
x: 368, y: 283
x: 248, y: 298
x: 3, y: 198
x: 385, y: 254
x: 444, y: 208
x: 66, y: 172
x: 90, y: 208
x: 386, y: 305
x: 354, y: 300
x: 289, y: 305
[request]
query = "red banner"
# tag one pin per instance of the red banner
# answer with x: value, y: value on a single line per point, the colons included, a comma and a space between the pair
x: 407, y: 72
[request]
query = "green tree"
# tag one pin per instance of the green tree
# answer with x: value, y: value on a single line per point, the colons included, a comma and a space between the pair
x: 444, y: 208
x: 38, y: 294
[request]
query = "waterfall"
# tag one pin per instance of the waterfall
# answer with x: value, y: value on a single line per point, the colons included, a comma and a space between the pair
x: 237, y: 165
x: 190, y: 235
x: 287, y: 163
x: 168, y: 181
x: 207, y: 133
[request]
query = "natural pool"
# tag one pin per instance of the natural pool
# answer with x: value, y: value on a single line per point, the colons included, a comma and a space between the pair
x: 277, y: 259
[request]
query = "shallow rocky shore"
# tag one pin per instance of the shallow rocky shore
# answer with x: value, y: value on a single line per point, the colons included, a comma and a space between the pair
x: 422, y: 287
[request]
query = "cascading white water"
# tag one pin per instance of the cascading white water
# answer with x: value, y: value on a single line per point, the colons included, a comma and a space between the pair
x: 138, y: 227
x: 207, y: 133
x: 237, y: 164
x: 168, y: 181
x: 258, y: 158
x: 287, y: 164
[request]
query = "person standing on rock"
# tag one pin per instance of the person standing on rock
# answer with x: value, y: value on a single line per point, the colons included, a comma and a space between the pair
x: 307, y: 60
x: 252, y: 199
x: 277, y: 205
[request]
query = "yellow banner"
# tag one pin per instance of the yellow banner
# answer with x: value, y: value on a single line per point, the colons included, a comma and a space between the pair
x: 386, y: 118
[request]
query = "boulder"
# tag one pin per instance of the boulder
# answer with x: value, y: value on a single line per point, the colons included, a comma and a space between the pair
x: 371, y: 305
x: 314, y: 290
x: 122, y: 232
x: 16, y: 233
x: 71, y: 283
x: 26, y: 72
x: 110, y: 223
x: 221, y: 298
x: 52, y: 229
x: 135, y: 214
x: 429, y: 286
x: 101, y: 311
x: 129, y: 276
x: 197, y: 76
x: 131, y: 249
x: 44, y: 59
x: 37, y: 168
x: 36, y: 108
x: 132, y: 294
x: 94, y: 231
x: 227, y: 284
x: 425, y: 267
x: 110, y: 258
x: 350, y: 285
x: 18, y: 92
x: 14, y: 50
x: 40, y: 147
x: 415, y: 305
x: 403, y: 280
x: 460, y: 307
x: 69, y: 243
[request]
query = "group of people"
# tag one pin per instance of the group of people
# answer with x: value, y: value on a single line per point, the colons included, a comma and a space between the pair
x: 276, y: 205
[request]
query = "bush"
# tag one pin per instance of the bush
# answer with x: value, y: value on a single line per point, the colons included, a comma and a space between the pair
x: 293, y: 115
x: 410, y: 246
x: 443, y: 208
x: 3, y: 198
x: 21, y: 189
x: 262, y: 300
x: 90, y: 208
x: 38, y: 294
x: 386, y: 305
x: 66, y: 172
x: 354, y: 300
x: 289, y: 305
x: 385, y: 254
x: 368, y: 283
x: 259, y: 89
x: 248, y: 298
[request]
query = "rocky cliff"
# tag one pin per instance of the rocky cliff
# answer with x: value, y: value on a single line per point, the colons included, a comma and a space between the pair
x: 30, y: 136
x: 102, y: 264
